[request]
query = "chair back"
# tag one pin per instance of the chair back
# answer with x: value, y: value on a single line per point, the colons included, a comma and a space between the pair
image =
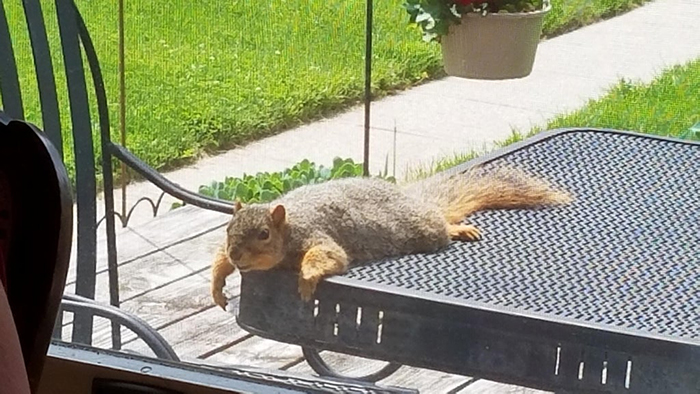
x: 38, y: 208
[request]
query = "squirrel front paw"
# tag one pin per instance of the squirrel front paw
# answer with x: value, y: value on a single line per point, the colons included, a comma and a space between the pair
x: 219, y: 298
x: 307, y: 287
x: 221, y: 268
x: 320, y: 261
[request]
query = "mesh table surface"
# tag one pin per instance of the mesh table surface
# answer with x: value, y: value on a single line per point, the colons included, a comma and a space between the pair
x: 625, y: 254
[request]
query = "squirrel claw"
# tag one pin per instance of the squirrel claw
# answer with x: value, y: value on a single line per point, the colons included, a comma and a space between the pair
x: 307, y: 288
x: 220, y: 299
x: 464, y: 232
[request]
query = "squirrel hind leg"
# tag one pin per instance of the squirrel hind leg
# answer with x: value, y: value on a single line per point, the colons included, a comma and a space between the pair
x: 463, y: 232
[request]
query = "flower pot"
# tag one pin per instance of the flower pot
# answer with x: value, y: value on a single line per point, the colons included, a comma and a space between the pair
x: 495, y: 46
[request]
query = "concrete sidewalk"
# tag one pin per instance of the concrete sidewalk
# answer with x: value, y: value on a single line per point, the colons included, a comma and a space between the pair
x: 456, y: 115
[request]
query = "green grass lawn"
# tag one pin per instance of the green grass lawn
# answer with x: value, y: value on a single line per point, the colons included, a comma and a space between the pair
x: 668, y: 106
x: 222, y: 73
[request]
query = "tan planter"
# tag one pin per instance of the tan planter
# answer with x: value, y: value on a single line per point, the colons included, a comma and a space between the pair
x: 495, y: 46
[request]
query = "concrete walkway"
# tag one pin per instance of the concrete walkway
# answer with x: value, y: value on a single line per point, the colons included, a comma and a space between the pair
x: 457, y: 115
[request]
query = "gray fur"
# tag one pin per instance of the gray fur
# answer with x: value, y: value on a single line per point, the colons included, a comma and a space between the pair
x: 371, y: 218
x: 368, y: 218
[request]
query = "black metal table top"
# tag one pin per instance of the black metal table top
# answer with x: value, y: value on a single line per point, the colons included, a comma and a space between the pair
x: 625, y: 256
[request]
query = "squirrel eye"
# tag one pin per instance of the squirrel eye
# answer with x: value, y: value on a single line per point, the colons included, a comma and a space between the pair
x: 264, y: 234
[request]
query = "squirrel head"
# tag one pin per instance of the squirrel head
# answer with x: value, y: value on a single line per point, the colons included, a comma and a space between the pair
x: 256, y: 237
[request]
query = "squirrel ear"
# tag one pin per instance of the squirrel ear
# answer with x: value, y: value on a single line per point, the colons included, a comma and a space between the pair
x: 278, y: 214
x: 237, y: 206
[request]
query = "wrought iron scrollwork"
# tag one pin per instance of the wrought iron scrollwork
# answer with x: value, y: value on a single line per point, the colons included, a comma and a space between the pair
x: 124, y: 219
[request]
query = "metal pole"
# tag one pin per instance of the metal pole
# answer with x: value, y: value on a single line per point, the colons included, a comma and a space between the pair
x: 122, y: 102
x: 113, y: 278
x: 368, y: 82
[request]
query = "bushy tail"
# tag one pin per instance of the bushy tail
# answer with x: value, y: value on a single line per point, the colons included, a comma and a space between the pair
x: 460, y: 195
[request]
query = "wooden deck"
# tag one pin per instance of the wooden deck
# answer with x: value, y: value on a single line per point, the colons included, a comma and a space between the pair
x: 164, y: 279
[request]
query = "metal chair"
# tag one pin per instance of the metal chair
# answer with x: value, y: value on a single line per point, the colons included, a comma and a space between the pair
x: 37, y: 232
x: 75, y: 42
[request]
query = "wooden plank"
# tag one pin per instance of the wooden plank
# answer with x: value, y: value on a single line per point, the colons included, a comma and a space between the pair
x: 189, y: 291
x: 162, y: 232
x: 490, y: 387
x: 197, y: 253
x: 424, y: 380
x: 161, y: 267
x: 130, y: 245
x: 163, y: 306
x: 197, y: 334
x: 143, y: 276
x: 144, y: 273
x: 149, y: 268
x: 67, y: 330
x: 181, y: 224
x: 140, y: 277
x: 157, y: 308
x: 352, y: 366
x: 258, y: 352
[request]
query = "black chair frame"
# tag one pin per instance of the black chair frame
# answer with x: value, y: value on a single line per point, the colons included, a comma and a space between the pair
x: 76, y: 42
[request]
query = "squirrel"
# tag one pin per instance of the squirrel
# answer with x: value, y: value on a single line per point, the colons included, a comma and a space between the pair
x: 319, y: 230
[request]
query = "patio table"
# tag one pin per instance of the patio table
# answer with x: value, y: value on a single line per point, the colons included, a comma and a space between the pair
x: 602, y: 295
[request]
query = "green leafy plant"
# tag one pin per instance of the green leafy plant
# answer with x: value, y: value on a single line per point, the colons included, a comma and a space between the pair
x: 264, y: 186
x: 435, y: 16
x: 692, y: 134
